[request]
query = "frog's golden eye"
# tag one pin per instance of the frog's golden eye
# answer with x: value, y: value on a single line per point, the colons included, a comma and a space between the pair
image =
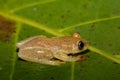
x: 80, y: 45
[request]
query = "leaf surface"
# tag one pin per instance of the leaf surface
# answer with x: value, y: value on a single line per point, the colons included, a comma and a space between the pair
x: 96, y: 21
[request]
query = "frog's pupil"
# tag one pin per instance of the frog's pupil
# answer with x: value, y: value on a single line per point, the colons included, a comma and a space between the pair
x: 80, y: 45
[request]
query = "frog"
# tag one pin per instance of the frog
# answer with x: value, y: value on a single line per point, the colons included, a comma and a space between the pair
x: 52, y: 51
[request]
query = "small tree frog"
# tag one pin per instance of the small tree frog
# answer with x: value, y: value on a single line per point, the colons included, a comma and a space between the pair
x: 52, y: 51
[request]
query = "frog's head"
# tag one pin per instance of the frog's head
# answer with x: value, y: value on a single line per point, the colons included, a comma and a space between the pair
x: 80, y: 44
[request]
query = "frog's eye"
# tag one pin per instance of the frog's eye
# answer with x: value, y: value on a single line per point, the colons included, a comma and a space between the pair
x: 80, y: 45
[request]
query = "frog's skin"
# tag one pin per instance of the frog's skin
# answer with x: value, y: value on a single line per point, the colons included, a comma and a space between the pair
x: 53, y: 51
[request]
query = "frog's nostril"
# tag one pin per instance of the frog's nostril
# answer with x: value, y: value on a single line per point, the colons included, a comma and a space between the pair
x: 80, y: 45
x: 17, y: 50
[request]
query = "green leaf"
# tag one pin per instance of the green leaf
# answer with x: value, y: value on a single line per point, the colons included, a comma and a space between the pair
x: 96, y: 21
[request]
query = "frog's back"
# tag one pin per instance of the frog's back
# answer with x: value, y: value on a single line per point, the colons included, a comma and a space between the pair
x: 44, y: 42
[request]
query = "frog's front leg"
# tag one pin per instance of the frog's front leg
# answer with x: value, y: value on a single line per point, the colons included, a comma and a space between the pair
x: 65, y: 57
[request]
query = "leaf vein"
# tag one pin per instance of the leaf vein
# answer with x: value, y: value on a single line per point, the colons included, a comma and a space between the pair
x: 30, y: 5
x: 89, y: 22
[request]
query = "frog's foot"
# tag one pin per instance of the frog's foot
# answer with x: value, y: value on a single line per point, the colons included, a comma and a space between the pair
x: 51, y: 62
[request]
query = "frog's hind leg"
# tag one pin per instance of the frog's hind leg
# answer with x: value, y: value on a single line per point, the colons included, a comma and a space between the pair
x: 39, y: 56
